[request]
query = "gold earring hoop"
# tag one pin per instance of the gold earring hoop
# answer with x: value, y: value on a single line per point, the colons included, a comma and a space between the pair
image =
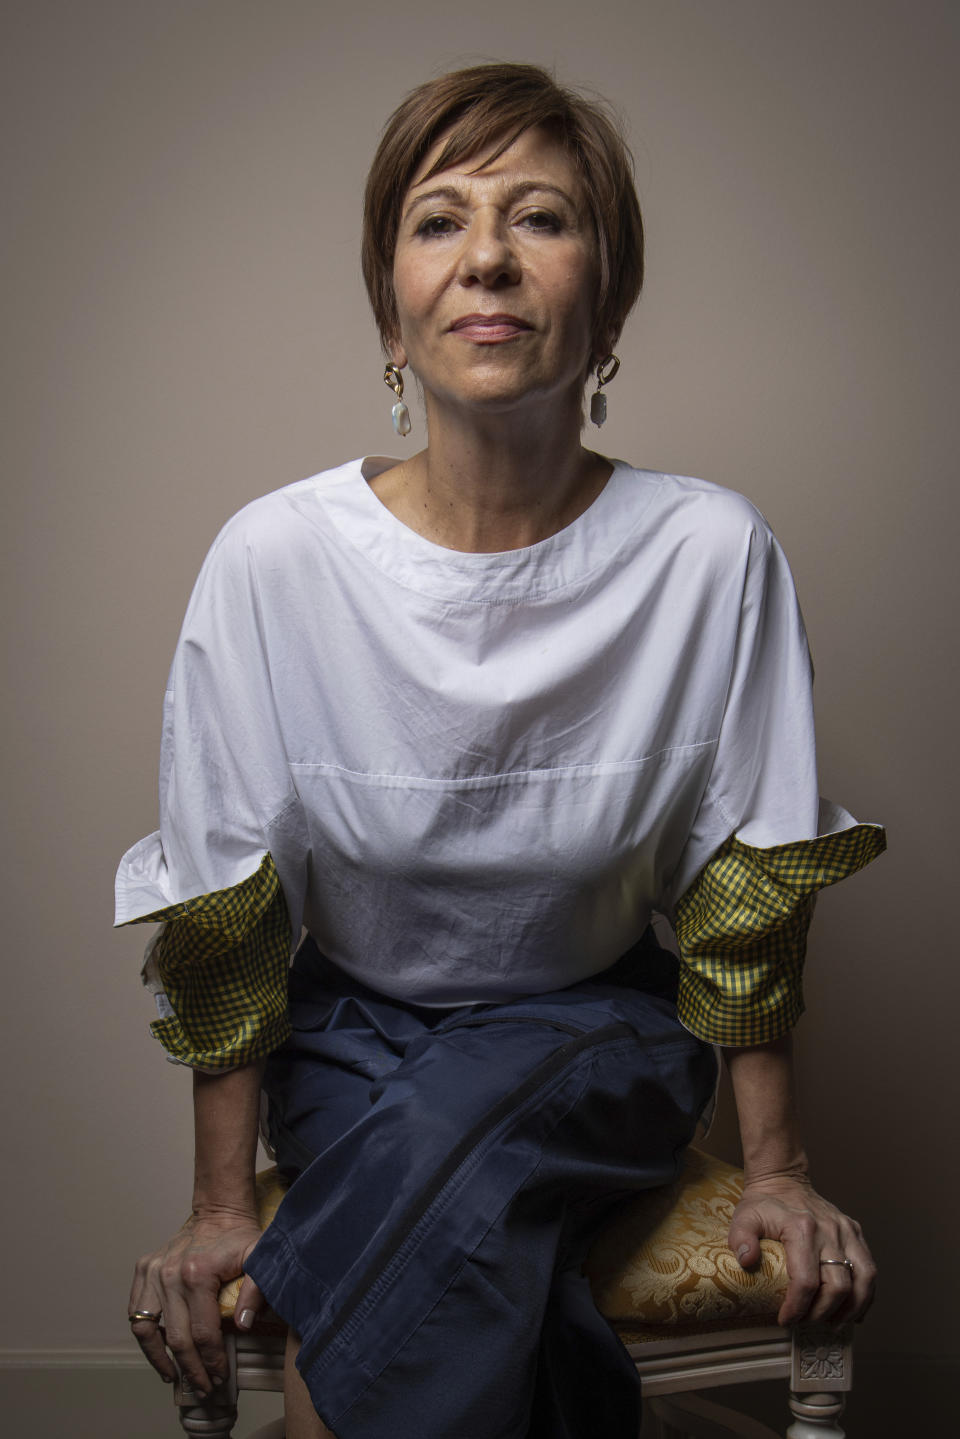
x: 605, y: 371
x: 400, y: 413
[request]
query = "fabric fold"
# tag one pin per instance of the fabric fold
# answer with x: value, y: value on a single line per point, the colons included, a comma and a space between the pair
x: 218, y: 970
x: 742, y: 926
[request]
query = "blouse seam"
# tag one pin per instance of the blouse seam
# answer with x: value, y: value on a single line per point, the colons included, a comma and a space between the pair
x: 477, y: 781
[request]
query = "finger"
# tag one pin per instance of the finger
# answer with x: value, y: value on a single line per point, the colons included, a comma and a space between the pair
x: 145, y: 1296
x: 249, y: 1303
x: 149, y: 1336
x: 801, y: 1250
x: 179, y: 1336
x: 836, y: 1288
x: 201, y: 1292
x: 841, y: 1289
x: 863, y: 1277
x: 744, y: 1239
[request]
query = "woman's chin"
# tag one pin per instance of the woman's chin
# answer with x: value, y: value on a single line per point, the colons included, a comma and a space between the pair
x: 496, y: 395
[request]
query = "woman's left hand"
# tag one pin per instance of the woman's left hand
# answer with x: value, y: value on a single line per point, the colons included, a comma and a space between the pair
x: 811, y: 1229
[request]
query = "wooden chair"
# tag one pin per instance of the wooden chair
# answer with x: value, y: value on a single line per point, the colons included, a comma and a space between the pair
x: 662, y: 1274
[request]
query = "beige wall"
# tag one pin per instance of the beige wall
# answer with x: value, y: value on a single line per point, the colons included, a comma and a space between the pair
x: 186, y: 329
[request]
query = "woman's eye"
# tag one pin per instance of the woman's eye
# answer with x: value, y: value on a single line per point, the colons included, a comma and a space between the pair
x: 435, y: 225
x: 541, y: 220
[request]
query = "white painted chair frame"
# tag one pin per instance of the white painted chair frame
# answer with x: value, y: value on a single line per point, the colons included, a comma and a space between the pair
x: 815, y: 1358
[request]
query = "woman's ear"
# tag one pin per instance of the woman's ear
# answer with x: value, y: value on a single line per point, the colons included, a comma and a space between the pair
x: 603, y: 344
x: 398, y: 354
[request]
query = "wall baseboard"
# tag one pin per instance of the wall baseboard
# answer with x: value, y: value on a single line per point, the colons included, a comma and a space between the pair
x: 101, y: 1393
x: 113, y: 1358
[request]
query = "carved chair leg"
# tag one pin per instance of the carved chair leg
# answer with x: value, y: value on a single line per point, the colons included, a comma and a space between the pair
x: 208, y: 1420
x: 215, y: 1417
x: 820, y: 1377
x: 817, y: 1416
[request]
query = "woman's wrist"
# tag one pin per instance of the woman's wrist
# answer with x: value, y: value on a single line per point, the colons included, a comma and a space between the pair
x: 762, y: 1078
x: 236, y: 1203
x: 224, y: 1190
x: 767, y: 1173
x: 226, y: 1125
x: 771, y: 1143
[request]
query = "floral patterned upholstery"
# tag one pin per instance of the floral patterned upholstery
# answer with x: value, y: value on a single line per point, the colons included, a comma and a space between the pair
x: 661, y: 1265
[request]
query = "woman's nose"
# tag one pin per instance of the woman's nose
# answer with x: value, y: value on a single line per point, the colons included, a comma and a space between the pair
x: 488, y: 256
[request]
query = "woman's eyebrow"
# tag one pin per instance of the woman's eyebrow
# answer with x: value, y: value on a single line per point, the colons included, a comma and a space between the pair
x: 441, y: 192
x: 515, y: 192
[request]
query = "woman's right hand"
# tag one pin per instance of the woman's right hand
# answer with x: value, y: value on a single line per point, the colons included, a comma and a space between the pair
x: 180, y: 1283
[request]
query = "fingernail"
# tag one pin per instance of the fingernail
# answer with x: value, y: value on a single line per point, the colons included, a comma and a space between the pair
x: 246, y: 1319
x: 217, y: 1380
x: 744, y: 1249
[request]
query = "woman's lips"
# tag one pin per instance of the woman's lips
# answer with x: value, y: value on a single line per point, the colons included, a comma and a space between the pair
x: 489, y: 329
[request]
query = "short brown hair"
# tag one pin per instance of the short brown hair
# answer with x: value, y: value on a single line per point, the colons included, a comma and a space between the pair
x: 484, y: 109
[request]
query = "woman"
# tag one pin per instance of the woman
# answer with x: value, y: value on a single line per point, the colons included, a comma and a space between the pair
x: 472, y: 718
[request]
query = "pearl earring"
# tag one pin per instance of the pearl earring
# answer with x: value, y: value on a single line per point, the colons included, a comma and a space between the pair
x: 605, y: 371
x: 401, y: 415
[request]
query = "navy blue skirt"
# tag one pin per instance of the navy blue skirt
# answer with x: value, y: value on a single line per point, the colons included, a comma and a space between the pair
x: 450, y: 1168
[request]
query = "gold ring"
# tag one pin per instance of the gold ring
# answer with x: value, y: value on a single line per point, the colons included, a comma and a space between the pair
x: 141, y: 1315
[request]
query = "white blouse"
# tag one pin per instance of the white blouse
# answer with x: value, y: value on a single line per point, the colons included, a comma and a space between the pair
x: 479, y: 774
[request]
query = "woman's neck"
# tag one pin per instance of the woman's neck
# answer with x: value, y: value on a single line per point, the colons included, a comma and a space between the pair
x: 494, y: 483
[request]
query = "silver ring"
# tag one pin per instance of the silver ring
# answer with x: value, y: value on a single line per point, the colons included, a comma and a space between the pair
x: 140, y: 1316
x: 845, y: 1262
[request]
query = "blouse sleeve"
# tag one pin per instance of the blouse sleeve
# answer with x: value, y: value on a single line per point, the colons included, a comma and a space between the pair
x: 226, y: 871
x: 762, y: 843
x: 218, y: 971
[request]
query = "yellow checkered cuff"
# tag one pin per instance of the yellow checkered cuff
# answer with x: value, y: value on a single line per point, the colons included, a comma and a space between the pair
x: 222, y: 961
x: 742, y: 928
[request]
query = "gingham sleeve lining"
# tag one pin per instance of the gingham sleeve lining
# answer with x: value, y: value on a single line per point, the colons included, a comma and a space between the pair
x: 221, y: 963
x: 742, y: 926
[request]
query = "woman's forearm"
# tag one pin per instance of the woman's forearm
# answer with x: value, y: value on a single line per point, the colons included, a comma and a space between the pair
x: 762, y: 1078
x: 830, y: 1267
x: 226, y: 1110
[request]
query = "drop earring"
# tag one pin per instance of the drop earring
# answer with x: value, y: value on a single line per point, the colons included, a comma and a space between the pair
x: 605, y: 371
x: 401, y: 415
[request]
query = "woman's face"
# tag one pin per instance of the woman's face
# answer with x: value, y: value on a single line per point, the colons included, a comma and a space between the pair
x: 495, y: 276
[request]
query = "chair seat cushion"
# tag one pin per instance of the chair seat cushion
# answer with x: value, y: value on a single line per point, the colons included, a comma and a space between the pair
x: 661, y: 1264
